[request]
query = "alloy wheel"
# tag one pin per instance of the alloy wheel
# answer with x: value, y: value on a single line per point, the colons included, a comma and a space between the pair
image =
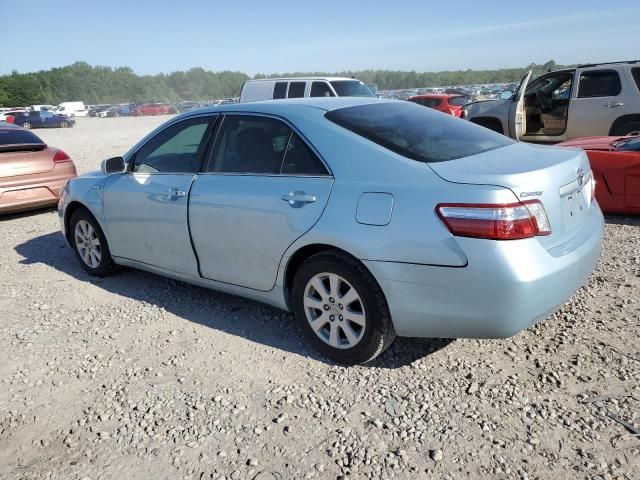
x: 334, y: 310
x: 88, y: 244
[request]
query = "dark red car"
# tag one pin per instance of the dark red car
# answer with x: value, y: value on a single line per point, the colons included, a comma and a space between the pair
x: 152, y: 109
x: 451, y: 104
x: 615, y: 162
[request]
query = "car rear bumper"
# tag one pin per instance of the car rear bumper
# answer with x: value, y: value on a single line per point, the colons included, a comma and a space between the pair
x: 506, y: 286
x: 25, y: 193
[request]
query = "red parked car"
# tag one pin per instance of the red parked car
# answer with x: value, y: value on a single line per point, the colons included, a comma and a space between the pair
x: 451, y: 104
x: 615, y: 162
x: 152, y: 109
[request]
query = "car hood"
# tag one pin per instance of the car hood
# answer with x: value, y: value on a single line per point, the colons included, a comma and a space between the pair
x: 591, y: 143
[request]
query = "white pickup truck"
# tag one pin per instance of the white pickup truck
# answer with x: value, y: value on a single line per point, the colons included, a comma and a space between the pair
x: 586, y: 101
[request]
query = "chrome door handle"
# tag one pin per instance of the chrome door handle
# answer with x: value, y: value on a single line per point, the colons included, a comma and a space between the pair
x: 175, y: 193
x: 614, y: 104
x: 298, y: 196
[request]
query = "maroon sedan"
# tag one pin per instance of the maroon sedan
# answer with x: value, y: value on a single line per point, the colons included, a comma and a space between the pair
x: 32, y: 174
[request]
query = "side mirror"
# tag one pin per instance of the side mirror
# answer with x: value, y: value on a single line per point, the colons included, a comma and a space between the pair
x: 112, y: 165
x: 506, y: 95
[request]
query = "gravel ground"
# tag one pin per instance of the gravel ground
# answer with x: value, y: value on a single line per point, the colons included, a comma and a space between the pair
x: 137, y: 376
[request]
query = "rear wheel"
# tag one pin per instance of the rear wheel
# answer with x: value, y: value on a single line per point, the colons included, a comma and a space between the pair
x: 90, y: 244
x: 341, y: 308
x: 26, y: 125
x: 632, y: 128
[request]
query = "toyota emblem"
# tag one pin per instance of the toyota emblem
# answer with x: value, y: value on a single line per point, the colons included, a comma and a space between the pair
x: 580, y: 173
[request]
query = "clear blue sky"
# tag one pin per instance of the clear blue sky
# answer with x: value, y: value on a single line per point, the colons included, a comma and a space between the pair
x: 278, y: 36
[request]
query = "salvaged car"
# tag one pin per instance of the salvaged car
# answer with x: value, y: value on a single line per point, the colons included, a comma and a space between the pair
x: 366, y: 218
x: 32, y: 174
x: 43, y: 119
x: 590, y: 100
x: 615, y: 162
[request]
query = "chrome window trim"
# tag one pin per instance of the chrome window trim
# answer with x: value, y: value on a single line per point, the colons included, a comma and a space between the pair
x: 293, y: 128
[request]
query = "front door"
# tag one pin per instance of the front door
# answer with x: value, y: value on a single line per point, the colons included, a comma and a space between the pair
x: 598, y: 101
x: 264, y: 187
x: 146, y: 208
x: 517, y: 114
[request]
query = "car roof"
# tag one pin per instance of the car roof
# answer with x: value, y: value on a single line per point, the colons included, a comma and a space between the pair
x: 286, y: 105
x: 289, y: 79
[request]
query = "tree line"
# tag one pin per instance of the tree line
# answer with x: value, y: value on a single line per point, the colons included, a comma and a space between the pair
x: 98, y: 84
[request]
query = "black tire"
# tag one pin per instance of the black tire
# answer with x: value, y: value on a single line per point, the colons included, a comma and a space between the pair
x: 26, y: 125
x: 105, y: 266
x: 64, y: 124
x: 628, y: 129
x: 378, y: 333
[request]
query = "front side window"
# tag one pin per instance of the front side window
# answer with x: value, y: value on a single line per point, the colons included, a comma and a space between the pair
x: 321, y: 89
x: 296, y: 89
x: 418, y: 133
x: 176, y: 149
x: 262, y: 145
x: 599, y: 83
x: 280, y: 90
x: 636, y: 76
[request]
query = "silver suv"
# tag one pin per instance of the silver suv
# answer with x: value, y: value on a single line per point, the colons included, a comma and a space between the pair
x: 586, y: 101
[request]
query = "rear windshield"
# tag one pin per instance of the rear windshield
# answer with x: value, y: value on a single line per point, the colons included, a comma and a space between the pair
x: 18, y: 137
x: 427, y: 102
x: 458, y: 101
x: 416, y: 132
x: 351, y: 88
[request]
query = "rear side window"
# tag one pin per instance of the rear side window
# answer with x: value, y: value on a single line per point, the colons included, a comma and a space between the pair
x: 296, y: 89
x: 636, y: 76
x: 418, y: 133
x: 458, y: 101
x: 427, y: 102
x: 300, y: 160
x: 599, y: 83
x: 15, y: 136
x: 321, y: 89
x: 280, y: 90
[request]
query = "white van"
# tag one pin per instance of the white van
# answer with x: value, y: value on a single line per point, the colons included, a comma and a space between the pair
x: 274, y: 88
x: 72, y: 109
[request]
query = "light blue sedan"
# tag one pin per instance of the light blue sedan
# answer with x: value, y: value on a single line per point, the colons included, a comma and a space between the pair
x: 366, y: 218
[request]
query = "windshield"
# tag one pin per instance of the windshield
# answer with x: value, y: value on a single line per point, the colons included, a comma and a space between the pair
x: 416, y: 132
x: 627, y: 144
x: 351, y: 88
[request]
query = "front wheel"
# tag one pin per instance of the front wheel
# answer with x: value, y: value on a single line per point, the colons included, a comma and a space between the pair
x: 64, y: 124
x: 90, y: 244
x: 341, y: 308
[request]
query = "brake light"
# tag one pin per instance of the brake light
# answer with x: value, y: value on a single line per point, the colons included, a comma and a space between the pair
x: 61, y: 157
x: 495, y: 222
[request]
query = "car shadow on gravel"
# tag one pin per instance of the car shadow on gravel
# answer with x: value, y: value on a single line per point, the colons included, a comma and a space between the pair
x: 616, y: 219
x: 228, y: 313
x: 27, y: 213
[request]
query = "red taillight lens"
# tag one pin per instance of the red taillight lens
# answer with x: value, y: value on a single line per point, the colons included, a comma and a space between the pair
x: 495, y: 222
x: 60, y: 157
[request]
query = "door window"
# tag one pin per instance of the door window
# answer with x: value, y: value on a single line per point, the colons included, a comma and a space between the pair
x: 176, y: 149
x: 262, y: 145
x: 636, y: 76
x: 321, y: 89
x: 599, y: 83
x: 280, y: 90
x: 296, y: 89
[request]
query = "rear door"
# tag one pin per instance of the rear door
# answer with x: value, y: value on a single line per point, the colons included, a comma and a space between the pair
x: 146, y: 208
x: 632, y: 183
x: 517, y: 116
x: 263, y: 188
x: 599, y: 99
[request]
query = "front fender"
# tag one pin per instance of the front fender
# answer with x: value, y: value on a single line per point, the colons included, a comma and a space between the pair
x: 85, y: 191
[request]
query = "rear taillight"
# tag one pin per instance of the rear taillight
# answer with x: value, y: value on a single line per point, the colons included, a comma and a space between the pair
x: 61, y: 157
x: 495, y: 222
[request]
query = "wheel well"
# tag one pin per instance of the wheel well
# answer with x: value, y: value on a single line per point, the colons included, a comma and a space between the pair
x: 621, y: 121
x: 68, y: 213
x: 298, y: 258
x: 492, y: 123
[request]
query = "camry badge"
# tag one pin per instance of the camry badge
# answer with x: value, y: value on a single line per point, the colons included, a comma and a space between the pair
x: 580, y: 173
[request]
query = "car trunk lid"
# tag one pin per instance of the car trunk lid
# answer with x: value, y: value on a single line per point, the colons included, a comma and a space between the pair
x: 24, y: 160
x: 559, y: 178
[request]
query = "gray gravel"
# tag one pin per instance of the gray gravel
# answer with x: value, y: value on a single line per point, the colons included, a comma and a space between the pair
x: 137, y: 376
